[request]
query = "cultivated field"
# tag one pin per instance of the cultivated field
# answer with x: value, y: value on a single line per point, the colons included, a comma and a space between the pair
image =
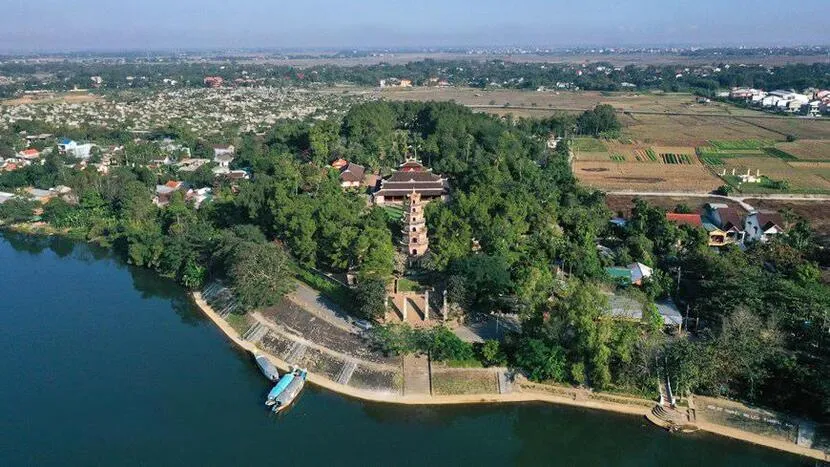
x: 670, y: 119
x: 636, y: 176
x: 807, y: 150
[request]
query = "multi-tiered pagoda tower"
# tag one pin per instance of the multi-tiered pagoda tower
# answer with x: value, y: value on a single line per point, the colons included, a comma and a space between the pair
x: 415, y: 227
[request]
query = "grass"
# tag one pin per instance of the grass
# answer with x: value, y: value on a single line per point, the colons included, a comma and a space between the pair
x: 775, y: 152
x: 461, y: 382
x: 240, y: 323
x: 408, y: 285
x: 472, y: 363
x: 588, y: 145
x: 670, y: 158
x: 711, y: 160
x: 741, y: 144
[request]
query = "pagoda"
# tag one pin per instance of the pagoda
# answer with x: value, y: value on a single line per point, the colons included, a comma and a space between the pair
x: 415, y: 227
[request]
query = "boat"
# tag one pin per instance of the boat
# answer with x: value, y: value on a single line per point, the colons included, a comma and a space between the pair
x: 290, y: 393
x: 280, y: 387
x: 268, y: 369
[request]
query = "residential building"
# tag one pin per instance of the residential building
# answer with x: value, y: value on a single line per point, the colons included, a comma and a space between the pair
x: 634, y: 273
x: 692, y: 220
x: 191, y: 165
x: 762, y: 226
x: 165, y: 192
x: 29, y: 154
x: 724, y: 224
x: 214, y: 81
x: 621, y: 307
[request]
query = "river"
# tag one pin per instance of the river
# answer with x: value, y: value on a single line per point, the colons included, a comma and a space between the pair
x: 106, y: 364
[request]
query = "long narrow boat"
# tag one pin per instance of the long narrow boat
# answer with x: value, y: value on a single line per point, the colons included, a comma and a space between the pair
x: 280, y: 387
x: 290, y: 393
x: 268, y: 369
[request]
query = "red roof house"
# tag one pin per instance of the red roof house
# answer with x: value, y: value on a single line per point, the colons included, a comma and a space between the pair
x: 684, y: 219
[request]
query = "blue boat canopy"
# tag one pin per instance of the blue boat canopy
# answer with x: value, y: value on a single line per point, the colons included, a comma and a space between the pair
x: 281, y: 385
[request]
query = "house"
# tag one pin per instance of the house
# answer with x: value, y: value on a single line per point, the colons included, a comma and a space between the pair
x: 220, y: 149
x: 29, y: 154
x: 213, y: 81
x: 634, y: 273
x: 639, y: 271
x: 621, y: 307
x: 223, y: 160
x: 692, y: 220
x: 42, y: 196
x: 410, y: 177
x: 191, y: 165
x: 339, y: 164
x: 197, y: 197
x: 762, y: 226
x: 727, y: 226
x: 70, y: 148
x: 352, y: 175
x: 165, y: 192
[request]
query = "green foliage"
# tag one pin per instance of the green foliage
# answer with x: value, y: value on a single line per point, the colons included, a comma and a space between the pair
x: 543, y: 361
x: 17, y: 210
x: 492, y: 354
x: 438, y: 342
x: 370, y: 298
x: 260, y: 274
x: 602, y: 119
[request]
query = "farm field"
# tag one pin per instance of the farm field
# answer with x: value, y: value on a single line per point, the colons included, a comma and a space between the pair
x: 803, y: 128
x: 807, y: 150
x: 690, y: 130
x: 698, y: 124
x: 800, y: 179
x: 645, y: 176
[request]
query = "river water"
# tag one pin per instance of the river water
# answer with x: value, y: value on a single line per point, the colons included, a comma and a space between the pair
x: 105, y: 364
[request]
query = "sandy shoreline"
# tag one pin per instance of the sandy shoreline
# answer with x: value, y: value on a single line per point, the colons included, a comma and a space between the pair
x: 498, y: 398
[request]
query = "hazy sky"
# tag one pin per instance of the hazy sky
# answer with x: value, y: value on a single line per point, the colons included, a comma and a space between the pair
x: 164, y: 24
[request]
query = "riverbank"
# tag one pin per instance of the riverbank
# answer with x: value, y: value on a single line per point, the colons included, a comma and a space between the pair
x: 522, y: 396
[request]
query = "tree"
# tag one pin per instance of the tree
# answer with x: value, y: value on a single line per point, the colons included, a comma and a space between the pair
x: 370, y: 298
x: 260, y: 274
x: 17, y: 210
x: 543, y: 362
x: 492, y: 353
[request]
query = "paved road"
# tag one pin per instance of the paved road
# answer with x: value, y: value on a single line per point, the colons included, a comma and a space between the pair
x: 314, y: 303
x: 738, y: 199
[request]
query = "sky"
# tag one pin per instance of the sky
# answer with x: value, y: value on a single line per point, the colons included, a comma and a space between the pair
x: 59, y: 25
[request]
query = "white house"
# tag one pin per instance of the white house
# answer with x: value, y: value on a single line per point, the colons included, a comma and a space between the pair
x: 223, y: 149
x: 761, y: 226
x: 639, y: 271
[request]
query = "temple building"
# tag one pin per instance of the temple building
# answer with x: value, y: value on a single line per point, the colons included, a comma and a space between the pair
x: 411, y: 177
x: 415, y: 228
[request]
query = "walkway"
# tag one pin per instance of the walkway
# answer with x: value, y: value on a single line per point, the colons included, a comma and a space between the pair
x: 416, y: 377
x: 311, y: 300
